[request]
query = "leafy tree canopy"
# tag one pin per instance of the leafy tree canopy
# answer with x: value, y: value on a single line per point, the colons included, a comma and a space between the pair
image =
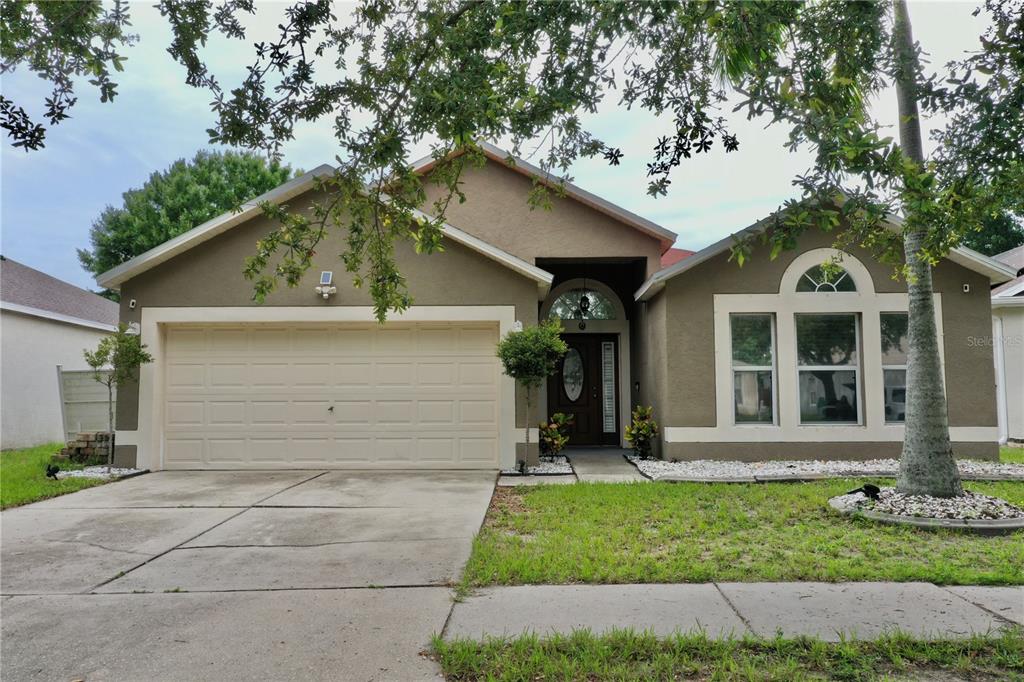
x: 393, y: 72
x: 996, y: 234
x: 59, y: 41
x: 174, y: 201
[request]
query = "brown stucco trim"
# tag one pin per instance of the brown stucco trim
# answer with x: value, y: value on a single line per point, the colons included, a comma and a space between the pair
x: 755, y: 452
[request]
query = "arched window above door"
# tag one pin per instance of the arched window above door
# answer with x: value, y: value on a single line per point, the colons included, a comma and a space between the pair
x: 579, y: 303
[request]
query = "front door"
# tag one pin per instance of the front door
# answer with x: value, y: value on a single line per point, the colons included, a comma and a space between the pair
x: 585, y: 385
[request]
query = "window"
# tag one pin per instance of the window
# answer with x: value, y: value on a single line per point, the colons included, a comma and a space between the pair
x: 571, y: 306
x: 753, y: 367
x: 828, y: 279
x: 828, y: 365
x: 894, y: 365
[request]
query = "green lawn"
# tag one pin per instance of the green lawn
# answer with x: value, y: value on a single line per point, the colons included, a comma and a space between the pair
x: 23, y: 476
x: 1011, y: 455
x: 630, y: 656
x: 694, y: 532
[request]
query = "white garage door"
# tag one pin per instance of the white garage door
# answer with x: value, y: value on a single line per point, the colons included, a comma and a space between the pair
x: 356, y: 396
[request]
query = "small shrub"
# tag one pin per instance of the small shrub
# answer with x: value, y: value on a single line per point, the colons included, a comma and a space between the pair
x: 553, y: 436
x: 642, y: 432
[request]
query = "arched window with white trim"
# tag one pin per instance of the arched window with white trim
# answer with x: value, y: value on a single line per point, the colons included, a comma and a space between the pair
x: 829, y: 279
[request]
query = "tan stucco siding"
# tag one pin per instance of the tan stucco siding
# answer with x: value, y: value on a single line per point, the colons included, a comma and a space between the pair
x: 496, y: 210
x: 690, y: 338
x: 210, y: 275
x: 652, y: 353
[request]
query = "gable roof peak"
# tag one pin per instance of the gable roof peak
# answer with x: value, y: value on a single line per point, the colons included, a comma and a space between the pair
x: 665, y: 236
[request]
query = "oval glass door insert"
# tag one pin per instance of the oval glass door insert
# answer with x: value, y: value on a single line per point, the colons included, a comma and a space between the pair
x: 572, y: 374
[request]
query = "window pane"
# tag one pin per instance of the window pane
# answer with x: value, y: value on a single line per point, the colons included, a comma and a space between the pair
x: 569, y: 306
x: 831, y: 280
x: 894, y: 339
x: 753, y: 397
x: 826, y: 339
x: 751, y: 340
x: 895, y: 395
x: 828, y: 396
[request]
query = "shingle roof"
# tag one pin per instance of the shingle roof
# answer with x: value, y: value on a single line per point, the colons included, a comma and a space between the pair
x: 674, y: 255
x: 1014, y: 257
x: 23, y: 286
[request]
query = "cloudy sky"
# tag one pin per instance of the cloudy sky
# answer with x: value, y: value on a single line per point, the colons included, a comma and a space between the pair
x: 51, y: 197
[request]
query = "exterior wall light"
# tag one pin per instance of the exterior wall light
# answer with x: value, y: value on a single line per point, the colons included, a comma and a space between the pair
x: 325, y: 288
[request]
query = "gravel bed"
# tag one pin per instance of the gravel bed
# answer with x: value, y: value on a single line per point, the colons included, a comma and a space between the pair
x: 968, y: 506
x: 718, y: 469
x: 548, y: 466
x: 98, y: 472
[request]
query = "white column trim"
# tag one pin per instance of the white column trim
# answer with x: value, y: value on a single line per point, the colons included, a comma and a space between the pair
x: 149, y: 436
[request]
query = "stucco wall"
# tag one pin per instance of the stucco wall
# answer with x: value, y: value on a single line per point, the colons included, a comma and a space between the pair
x: 691, y: 343
x: 211, y: 275
x: 30, y: 350
x: 496, y: 210
x: 650, y: 372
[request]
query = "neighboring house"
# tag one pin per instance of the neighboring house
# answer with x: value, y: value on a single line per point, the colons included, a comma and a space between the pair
x: 304, y: 381
x: 1008, y: 347
x: 44, y: 322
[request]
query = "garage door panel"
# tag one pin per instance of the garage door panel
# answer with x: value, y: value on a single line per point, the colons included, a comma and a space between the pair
x: 352, y: 374
x: 363, y: 395
x: 226, y: 413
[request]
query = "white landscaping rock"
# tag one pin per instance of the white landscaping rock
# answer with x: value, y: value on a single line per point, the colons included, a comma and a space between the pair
x: 721, y: 470
x: 547, y: 466
x: 100, y: 472
x: 974, y: 506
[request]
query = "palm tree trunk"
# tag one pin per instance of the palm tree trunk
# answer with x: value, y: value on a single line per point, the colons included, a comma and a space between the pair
x: 927, y: 466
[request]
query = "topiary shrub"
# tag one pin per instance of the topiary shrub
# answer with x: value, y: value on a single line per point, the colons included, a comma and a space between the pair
x: 530, y: 356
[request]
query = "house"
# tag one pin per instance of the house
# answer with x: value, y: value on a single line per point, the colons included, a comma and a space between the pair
x: 1008, y: 347
x: 767, y: 361
x: 44, y: 322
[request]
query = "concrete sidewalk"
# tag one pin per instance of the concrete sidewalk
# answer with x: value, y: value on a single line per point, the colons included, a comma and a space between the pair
x: 824, y: 610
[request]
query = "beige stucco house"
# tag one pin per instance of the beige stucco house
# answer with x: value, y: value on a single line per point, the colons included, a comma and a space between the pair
x: 763, y: 361
x: 46, y: 323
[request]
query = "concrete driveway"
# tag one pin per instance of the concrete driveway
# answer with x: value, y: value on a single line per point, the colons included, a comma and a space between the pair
x: 237, y: 575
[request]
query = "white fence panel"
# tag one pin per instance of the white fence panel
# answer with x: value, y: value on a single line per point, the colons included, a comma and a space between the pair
x: 83, y: 402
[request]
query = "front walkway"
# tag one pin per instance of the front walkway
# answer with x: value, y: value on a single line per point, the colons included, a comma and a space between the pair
x: 824, y: 610
x: 591, y: 465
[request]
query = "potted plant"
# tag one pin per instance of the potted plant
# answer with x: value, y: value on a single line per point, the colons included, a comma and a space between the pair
x: 642, y: 432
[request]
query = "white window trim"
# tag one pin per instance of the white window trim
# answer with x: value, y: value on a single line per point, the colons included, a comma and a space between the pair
x: 773, y: 368
x: 785, y: 305
x: 149, y: 435
x: 855, y: 368
x: 886, y: 367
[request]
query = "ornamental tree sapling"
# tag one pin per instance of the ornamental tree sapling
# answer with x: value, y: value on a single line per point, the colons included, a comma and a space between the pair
x: 115, y: 361
x: 530, y: 356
